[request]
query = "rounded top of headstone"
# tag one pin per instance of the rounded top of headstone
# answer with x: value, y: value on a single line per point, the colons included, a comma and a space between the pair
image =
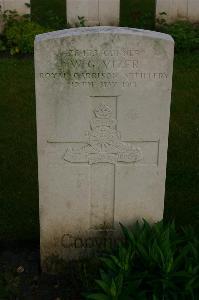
x: 102, y: 30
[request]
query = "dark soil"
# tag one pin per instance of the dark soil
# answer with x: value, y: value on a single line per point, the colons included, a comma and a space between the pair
x: 21, y: 277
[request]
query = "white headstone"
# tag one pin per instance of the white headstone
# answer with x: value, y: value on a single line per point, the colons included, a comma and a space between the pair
x: 18, y: 5
x: 95, y: 12
x: 103, y: 104
x: 193, y: 11
x: 184, y: 10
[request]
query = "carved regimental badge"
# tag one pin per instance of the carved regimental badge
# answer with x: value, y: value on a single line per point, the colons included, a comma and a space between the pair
x: 104, y: 142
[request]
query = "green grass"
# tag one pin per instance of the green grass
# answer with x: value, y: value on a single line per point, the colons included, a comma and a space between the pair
x: 19, y: 188
x: 18, y: 172
x: 182, y: 188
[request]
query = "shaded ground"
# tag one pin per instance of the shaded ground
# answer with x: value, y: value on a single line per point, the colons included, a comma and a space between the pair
x: 18, y: 172
x: 22, y: 279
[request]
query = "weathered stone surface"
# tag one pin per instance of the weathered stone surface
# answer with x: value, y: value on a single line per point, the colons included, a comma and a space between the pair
x: 95, y: 12
x: 103, y: 103
x: 178, y: 10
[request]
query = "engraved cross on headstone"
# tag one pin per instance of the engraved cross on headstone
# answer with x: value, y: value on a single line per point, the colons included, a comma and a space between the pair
x: 103, y: 150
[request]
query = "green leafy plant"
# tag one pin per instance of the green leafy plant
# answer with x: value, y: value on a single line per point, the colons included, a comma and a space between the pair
x: 185, y: 34
x: 161, y: 20
x: 8, y: 15
x: 19, y: 32
x: 155, y: 262
x: 81, y: 22
x: 20, y: 36
x: 28, y: 5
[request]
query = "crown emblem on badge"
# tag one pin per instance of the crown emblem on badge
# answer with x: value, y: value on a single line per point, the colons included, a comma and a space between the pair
x: 103, y: 111
x: 103, y: 117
